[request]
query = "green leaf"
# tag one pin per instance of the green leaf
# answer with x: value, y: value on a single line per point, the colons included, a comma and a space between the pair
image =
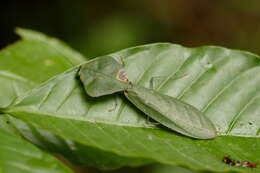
x: 222, y: 83
x: 26, y: 64
x: 61, y: 48
x: 31, y: 61
x: 37, y: 58
x: 11, y: 87
x: 17, y: 155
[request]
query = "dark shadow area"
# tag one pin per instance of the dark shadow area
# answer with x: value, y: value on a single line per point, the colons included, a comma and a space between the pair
x: 99, y: 27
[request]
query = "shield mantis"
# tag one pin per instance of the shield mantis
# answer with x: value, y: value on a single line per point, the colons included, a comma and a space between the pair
x: 104, y: 75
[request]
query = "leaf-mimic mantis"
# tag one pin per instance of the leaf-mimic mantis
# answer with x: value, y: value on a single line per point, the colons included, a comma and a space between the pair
x: 104, y: 75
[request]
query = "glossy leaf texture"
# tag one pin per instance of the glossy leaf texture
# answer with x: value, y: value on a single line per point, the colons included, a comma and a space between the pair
x: 46, y: 57
x: 18, y: 155
x: 222, y: 83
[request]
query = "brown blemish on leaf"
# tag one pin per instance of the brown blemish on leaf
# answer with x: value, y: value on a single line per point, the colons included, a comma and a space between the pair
x: 231, y: 162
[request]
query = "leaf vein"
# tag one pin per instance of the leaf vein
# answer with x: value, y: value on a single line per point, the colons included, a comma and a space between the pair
x: 241, y: 111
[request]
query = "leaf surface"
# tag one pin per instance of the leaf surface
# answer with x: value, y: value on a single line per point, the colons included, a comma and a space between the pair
x: 222, y: 83
x: 17, y: 155
x: 24, y: 65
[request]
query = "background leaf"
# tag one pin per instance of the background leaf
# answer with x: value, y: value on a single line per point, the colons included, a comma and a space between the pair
x: 62, y: 50
x: 222, y: 83
x: 20, y: 156
x: 37, y: 57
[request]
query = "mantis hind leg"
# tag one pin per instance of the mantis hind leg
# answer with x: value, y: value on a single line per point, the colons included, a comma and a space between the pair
x: 152, y: 122
x: 156, y: 81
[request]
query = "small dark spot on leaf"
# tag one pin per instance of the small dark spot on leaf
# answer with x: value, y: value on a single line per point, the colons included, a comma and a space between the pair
x: 231, y: 162
x: 250, y: 123
x: 249, y: 164
x: 227, y: 160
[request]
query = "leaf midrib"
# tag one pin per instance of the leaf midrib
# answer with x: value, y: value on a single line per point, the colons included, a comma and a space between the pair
x: 13, y: 110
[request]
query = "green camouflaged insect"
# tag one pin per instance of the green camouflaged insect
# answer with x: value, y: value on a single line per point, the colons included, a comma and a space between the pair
x: 105, y: 75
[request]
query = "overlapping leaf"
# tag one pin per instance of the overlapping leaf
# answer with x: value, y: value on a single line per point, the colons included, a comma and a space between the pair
x: 20, y: 156
x: 222, y: 83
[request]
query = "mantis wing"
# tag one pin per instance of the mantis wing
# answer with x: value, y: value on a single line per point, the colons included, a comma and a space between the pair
x: 172, y: 113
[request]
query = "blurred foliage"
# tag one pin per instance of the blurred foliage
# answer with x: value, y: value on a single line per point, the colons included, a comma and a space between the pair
x: 99, y: 27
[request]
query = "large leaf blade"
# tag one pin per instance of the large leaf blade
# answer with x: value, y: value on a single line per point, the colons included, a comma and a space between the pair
x: 156, y: 145
x: 110, y: 124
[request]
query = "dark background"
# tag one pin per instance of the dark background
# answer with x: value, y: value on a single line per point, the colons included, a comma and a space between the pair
x: 97, y: 27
